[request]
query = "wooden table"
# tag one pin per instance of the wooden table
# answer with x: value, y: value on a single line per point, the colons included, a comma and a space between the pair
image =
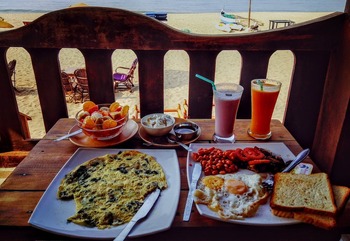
x: 24, y: 187
x: 274, y: 23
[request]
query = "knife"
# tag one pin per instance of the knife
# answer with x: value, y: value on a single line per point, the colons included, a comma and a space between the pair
x: 141, y: 213
x: 69, y: 135
x: 269, y: 181
x: 299, y: 158
x: 195, y: 176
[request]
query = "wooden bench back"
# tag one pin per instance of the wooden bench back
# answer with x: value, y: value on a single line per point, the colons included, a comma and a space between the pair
x: 317, y: 105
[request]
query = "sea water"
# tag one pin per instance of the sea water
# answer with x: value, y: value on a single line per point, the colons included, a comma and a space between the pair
x: 181, y: 6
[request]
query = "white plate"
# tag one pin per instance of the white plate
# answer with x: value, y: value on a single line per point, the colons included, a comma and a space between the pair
x: 51, y: 213
x: 263, y: 217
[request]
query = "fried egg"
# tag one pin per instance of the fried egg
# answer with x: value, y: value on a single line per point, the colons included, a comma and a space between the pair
x: 232, y: 196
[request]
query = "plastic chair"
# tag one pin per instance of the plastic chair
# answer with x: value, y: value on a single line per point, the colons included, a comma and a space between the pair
x: 68, y: 87
x: 82, y: 84
x: 124, y: 81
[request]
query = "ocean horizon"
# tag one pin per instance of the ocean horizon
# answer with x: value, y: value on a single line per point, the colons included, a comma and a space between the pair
x: 181, y: 6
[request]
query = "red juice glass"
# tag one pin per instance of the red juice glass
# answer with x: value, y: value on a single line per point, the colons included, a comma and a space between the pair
x: 226, y: 99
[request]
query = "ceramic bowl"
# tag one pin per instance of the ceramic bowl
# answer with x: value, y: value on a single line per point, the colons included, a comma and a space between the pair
x: 158, y: 124
x: 186, y: 130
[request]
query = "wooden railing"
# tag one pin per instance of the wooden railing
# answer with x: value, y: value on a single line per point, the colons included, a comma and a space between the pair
x: 317, y: 109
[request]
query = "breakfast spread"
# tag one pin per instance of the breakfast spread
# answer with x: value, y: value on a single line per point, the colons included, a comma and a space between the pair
x: 108, y: 190
x: 226, y: 191
x: 232, y: 196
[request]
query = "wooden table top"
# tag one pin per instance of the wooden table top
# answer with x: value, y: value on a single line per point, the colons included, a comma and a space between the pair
x: 20, y: 193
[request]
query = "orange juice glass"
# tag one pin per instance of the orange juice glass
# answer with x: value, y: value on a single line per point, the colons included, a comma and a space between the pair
x: 264, y: 94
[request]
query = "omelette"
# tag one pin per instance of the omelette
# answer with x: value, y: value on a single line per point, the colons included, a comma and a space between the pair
x: 109, y: 190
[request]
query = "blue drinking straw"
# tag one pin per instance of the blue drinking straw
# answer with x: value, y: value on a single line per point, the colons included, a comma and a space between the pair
x: 206, y: 80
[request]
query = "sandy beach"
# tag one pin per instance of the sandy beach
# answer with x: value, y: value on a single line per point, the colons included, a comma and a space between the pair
x: 176, y: 63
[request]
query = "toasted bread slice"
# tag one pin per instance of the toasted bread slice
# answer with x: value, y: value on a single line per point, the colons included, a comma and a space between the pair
x: 341, y: 195
x: 298, y: 192
x: 318, y: 220
x: 282, y: 214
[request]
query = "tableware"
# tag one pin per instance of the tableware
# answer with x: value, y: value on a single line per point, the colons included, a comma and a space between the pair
x: 51, y: 213
x: 162, y: 141
x: 103, y: 124
x: 226, y: 98
x: 172, y: 138
x: 186, y: 130
x: 264, y: 93
x: 141, y: 213
x: 263, y: 217
x: 206, y: 80
x: 197, y: 170
x: 157, y: 124
x: 83, y: 140
x: 69, y: 135
x: 268, y: 182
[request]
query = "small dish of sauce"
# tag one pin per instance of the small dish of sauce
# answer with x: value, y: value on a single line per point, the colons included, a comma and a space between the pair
x: 186, y: 130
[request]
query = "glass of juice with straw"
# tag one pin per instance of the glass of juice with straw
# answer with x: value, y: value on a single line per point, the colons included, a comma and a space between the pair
x: 264, y: 93
x: 226, y: 99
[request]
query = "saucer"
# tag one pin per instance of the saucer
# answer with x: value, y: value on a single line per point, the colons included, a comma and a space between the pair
x: 130, y: 129
x: 162, y: 141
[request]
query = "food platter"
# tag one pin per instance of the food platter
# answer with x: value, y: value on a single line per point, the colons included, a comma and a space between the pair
x: 130, y: 129
x: 263, y: 217
x: 51, y: 213
x: 162, y: 141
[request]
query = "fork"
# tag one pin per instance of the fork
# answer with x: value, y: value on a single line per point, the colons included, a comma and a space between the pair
x: 268, y: 182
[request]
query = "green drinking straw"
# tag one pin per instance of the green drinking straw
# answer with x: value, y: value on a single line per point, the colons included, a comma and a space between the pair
x: 259, y: 82
x: 206, y: 80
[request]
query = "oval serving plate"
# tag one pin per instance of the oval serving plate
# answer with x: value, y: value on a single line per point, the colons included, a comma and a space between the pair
x: 162, y: 141
x: 83, y: 140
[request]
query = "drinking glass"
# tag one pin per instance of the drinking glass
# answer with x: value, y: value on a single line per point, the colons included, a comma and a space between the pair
x: 264, y: 94
x: 226, y: 98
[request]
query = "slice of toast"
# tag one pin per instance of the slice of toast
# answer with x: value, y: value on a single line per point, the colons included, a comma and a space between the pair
x: 341, y: 196
x: 317, y: 220
x: 308, y: 193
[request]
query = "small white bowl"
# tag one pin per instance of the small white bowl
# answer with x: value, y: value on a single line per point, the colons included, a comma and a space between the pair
x: 158, y: 124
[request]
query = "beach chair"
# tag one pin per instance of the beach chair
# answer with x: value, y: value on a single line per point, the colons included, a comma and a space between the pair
x: 82, y: 87
x: 68, y: 87
x: 12, y: 72
x: 123, y: 80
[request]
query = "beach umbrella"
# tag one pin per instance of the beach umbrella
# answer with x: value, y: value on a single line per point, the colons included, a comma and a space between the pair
x: 4, y: 24
x: 249, y: 11
x: 78, y: 5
